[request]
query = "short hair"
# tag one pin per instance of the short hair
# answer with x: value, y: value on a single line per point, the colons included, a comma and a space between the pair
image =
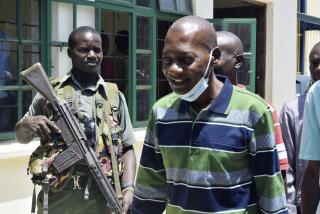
x: 226, y: 37
x: 208, y: 40
x: 315, y: 46
x: 82, y: 29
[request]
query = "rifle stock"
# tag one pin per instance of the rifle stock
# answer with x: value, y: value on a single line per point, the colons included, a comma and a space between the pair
x: 37, y: 78
x: 72, y: 135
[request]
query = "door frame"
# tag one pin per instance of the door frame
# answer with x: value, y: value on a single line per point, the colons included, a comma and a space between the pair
x: 225, y: 22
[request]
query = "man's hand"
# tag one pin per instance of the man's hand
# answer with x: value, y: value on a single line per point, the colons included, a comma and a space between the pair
x: 32, y: 126
x: 127, y: 199
x: 129, y: 171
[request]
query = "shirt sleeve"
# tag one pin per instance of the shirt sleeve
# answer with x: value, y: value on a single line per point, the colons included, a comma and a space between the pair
x: 128, y: 137
x: 37, y: 106
x: 150, y: 189
x: 288, y: 134
x: 36, y: 158
x: 282, y: 153
x: 310, y: 146
x: 266, y: 171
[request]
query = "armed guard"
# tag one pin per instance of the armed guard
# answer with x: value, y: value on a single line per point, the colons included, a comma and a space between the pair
x: 102, y: 113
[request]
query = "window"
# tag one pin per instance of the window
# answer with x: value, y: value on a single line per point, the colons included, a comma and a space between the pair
x: 143, y: 70
x: 245, y: 29
x: 115, y: 45
x: 20, y: 47
x: 66, y: 17
x: 176, y: 6
x: 62, y: 25
x: 309, y: 32
x: 163, y: 87
x: 144, y: 3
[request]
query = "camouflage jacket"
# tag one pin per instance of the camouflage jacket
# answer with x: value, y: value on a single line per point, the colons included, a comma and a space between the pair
x: 94, y: 102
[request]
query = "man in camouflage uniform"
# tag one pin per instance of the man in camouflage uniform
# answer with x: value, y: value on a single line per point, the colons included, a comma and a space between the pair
x: 99, y: 108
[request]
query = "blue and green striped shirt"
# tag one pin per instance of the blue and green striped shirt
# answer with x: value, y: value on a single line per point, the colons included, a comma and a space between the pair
x: 220, y: 160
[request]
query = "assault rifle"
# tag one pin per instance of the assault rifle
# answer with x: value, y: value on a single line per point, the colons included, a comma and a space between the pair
x: 72, y: 135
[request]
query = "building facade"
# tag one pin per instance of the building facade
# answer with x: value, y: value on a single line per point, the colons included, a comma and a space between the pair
x: 132, y: 32
x: 309, y: 31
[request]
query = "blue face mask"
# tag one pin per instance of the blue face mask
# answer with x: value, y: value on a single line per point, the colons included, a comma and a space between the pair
x: 200, y: 87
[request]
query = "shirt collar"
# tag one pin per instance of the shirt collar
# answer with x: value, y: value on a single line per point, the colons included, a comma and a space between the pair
x: 70, y: 77
x: 221, y: 103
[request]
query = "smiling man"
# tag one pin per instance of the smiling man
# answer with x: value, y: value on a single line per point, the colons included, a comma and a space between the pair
x: 209, y: 146
x: 90, y: 98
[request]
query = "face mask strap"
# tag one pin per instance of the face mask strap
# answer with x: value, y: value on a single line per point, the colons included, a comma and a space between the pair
x: 207, y: 73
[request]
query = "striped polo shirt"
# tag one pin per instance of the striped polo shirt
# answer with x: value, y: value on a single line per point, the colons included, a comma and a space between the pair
x: 220, y: 160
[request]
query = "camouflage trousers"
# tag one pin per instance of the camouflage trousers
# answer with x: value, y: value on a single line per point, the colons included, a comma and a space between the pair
x: 71, y: 200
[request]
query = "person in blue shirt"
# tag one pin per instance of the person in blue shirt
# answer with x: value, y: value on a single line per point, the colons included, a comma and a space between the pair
x: 310, y: 145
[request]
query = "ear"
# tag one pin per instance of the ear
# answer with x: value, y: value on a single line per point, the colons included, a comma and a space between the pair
x: 69, y: 52
x: 239, y: 61
x: 216, y: 53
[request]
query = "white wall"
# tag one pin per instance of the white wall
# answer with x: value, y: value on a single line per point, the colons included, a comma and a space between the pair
x: 203, y: 8
x: 281, y: 51
x: 16, y: 191
x: 16, y: 186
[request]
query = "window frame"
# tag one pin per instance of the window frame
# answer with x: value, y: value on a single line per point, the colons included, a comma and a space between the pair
x: 176, y: 11
x: 253, y: 26
x: 134, y: 12
x: 21, y: 42
x: 305, y: 23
